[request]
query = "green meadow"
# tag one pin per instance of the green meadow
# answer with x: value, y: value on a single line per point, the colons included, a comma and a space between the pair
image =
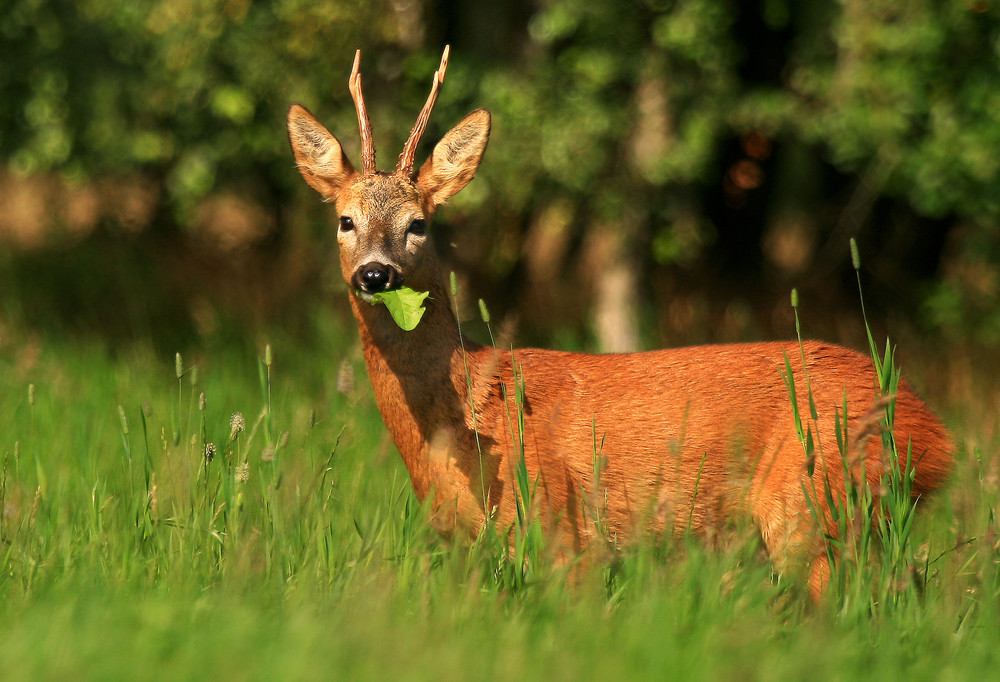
x: 238, y: 511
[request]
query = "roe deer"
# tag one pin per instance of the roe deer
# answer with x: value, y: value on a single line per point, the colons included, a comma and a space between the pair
x: 689, y: 437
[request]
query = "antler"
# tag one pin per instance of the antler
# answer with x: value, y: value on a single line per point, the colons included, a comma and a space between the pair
x: 405, y: 166
x: 367, y: 146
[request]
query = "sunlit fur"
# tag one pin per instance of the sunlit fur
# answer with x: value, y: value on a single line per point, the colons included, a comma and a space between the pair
x: 683, y: 439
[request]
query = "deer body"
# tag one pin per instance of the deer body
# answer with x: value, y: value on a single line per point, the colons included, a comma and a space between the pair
x: 653, y: 442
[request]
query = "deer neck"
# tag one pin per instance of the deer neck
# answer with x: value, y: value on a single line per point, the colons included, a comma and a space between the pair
x: 418, y: 379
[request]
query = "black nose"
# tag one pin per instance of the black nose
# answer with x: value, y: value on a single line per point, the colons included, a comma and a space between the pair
x: 375, y: 277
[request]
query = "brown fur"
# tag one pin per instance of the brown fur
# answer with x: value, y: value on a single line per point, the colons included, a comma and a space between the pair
x: 693, y: 437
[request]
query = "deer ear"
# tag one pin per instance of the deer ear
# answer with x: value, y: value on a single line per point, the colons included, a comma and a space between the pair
x: 318, y: 154
x: 455, y: 158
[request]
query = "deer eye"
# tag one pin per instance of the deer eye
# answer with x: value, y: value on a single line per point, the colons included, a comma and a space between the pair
x: 346, y: 224
x: 417, y: 227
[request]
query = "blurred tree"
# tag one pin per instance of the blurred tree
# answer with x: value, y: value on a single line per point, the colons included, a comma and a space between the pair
x: 642, y: 151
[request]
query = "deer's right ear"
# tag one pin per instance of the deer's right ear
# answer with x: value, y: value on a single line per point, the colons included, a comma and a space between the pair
x: 318, y: 154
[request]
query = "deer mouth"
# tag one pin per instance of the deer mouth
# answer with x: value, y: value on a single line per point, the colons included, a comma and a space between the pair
x: 374, y: 278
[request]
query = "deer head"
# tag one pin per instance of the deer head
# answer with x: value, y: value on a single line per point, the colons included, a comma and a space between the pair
x: 384, y: 217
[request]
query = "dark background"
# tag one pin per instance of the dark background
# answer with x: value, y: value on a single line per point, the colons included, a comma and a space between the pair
x: 659, y: 173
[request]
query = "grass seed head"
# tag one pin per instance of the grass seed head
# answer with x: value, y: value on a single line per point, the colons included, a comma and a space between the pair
x: 345, y: 377
x: 152, y: 496
x: 237, y: 424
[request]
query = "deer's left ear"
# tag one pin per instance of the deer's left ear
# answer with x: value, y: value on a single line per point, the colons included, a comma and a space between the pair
x: 455, y: 159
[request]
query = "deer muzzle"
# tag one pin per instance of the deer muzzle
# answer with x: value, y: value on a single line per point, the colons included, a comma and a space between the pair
x: 373, y: 277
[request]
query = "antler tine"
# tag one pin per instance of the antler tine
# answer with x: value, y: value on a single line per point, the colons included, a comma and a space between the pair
x: 405, y: 166
x: 367, y: 146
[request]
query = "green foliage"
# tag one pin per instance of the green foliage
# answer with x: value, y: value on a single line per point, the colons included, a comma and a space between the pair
x: 306, y: 552
x: 613, y: 116
x: 616, y: 97
x: 873, y: 562
x: 192, y: 91
x: 404, y: 304
x: 914, y: 86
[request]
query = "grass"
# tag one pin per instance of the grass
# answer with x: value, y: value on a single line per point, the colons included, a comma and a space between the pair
x: 300, y: 552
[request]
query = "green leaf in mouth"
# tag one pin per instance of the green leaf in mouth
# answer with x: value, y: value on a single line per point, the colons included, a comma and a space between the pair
x: 404, y: 304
